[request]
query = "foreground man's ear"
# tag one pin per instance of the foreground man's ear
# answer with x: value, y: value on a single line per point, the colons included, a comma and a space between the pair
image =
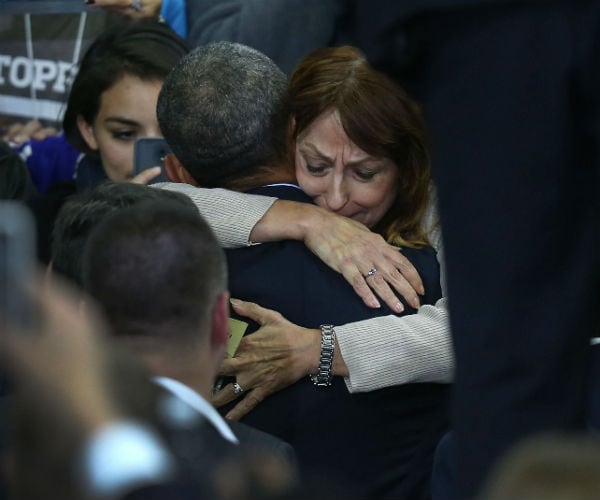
x: 220, y: 322
x: 176, y: 172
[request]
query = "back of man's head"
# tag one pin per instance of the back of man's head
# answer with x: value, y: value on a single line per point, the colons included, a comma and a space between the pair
x: 84, y: 211
x: 156, y: 269
x: 223, y: 112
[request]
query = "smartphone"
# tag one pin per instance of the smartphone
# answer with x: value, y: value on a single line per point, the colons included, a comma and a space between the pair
x: 151, y: 152
x: 17, y: 265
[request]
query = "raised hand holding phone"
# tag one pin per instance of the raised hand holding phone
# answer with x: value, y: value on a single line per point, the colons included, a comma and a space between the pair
x: 150, y: 152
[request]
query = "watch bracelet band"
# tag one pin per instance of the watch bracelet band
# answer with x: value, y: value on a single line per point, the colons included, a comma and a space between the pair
x: 323, y: 377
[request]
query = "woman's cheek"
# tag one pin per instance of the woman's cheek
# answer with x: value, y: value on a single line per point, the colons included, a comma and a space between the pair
x: 118, y: 163
x: 312, y: 186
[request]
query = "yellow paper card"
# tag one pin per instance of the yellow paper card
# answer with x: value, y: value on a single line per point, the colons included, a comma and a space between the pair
x: 237, y: 329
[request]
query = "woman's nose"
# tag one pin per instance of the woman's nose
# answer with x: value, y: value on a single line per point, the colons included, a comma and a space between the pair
x: 336, y: 196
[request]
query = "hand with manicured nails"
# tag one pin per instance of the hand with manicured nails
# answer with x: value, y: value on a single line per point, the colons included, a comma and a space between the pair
x: 351, y: 249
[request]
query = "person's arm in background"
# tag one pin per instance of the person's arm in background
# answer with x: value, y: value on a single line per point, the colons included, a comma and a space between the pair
x: 19, y: 133
x: 173, y: 12
x: 50, y: 161
x: 147, y: 8
x: 285, y: 30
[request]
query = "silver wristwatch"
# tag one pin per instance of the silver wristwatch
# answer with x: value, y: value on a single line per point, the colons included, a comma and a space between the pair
x: 324, y: 376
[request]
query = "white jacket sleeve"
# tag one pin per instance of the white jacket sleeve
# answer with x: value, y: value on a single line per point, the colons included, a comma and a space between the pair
x: 231, y: 215
x: 393, y: 350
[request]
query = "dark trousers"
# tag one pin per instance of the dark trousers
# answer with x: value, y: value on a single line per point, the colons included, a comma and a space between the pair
x: 511, y: 94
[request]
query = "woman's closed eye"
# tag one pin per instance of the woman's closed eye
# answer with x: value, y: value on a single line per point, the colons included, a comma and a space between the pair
x: 365, y: 175
x: 316, y: 169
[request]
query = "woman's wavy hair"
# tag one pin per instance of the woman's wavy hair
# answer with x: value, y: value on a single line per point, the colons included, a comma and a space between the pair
x: 379, y: 117
x: 147, y: 49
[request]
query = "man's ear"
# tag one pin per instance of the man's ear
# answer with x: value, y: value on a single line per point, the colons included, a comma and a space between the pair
x: 87, y: 132
x: 176, y: 172
x: 219, y: 335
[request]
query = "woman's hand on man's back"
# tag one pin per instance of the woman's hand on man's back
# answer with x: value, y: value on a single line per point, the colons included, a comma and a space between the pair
x: 371, y: 265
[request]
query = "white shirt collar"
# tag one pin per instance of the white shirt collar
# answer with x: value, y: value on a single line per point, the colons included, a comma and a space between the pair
x: 283, y: 184
x: 197, y: 402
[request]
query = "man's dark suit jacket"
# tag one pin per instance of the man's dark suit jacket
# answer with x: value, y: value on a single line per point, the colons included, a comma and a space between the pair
x: 379, y: 444
x: 199, y: 450
x: 197, y: 443
x: 203, y: 457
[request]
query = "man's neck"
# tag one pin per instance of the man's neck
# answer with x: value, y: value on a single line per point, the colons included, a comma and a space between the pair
x: 195, y: 378
x: 194, y: 381
x: 191, y: 368
x: 261, y: 176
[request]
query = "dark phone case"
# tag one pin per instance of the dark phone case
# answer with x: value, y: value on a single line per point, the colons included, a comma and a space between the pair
x: 150, y: 152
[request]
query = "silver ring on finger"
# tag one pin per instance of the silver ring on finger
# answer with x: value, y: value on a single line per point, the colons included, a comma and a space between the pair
x: 136, y: 5
x: 237, y: 388
x: 372, y: 272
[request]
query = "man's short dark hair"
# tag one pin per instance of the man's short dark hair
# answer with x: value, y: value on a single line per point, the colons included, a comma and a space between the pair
x: 155, y: 268
x: 82, y: 212
x: 223, y: 111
